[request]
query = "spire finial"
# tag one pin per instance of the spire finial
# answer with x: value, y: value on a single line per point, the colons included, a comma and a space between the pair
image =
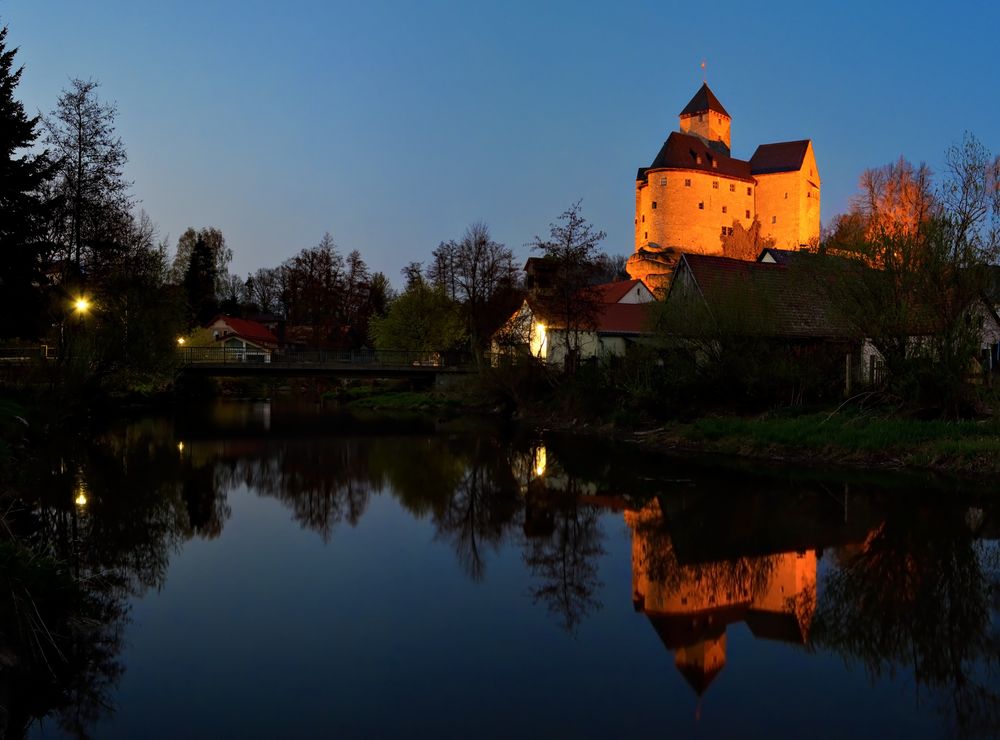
x: 704, y: 75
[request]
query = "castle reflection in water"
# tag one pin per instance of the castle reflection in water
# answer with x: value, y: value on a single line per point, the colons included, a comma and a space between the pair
x: 690, y: 604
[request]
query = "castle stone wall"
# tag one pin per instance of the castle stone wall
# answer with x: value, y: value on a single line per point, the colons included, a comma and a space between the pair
x: 677, y: 221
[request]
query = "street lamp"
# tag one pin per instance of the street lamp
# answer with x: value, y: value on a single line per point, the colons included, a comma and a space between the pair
x: 180, y: 341
x: 82, y: 305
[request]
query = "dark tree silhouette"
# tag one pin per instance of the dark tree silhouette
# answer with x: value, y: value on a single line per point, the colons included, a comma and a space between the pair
x: 22, y: 228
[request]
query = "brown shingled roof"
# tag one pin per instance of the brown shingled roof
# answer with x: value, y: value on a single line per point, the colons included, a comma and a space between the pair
x: 782, y: 301
x: 785, y: 156
x: 704, y: 100
x: 682, y: 151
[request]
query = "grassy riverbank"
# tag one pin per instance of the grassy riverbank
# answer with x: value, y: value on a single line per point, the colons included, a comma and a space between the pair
x: 971, y: 447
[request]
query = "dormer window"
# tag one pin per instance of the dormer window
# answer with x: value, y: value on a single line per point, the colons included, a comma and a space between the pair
x: 715, y: 162
x: 697, y: 159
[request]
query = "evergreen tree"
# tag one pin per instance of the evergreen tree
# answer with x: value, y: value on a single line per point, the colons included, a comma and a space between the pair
x: 199, y: 282
x: 22, y: 210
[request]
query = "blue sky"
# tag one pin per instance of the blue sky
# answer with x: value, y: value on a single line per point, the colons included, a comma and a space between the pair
x: 393, y: 125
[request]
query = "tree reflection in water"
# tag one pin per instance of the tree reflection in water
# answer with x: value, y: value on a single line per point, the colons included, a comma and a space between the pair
x: 921, y: 594
x: 98, y: 529
x: 566, y: 564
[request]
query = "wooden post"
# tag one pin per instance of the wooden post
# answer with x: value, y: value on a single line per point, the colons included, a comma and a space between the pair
x: 847, y: 375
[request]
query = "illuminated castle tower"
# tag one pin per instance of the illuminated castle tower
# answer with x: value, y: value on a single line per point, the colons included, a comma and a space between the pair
x: 688, y: 199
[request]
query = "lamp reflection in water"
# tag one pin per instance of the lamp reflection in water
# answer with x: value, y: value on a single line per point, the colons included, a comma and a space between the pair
x: 529, y: 466
x: 540, y: 461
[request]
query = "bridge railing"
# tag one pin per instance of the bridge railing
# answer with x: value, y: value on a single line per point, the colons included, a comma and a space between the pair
x: 322, y: 358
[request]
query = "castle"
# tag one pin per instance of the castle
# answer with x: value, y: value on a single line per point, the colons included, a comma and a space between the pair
x: 689, y: 198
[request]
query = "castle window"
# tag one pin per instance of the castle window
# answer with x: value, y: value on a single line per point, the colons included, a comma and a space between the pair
x: 774, y: 219
x: 748, y: 191
x: 701, y: 205
x: 701, y: 116
x: 723, y: 230
x: 644, y: 218
x: 725, y: 209
x: 715, y: 184
x: 748, y: 214
x: 732, y: 188
x: 809, y: 194
x: 715, y: 162
x: 663, y: 181
x: 687, y: 182
x: 654, y: 204
x: 697, y: 159
x: 786, y: 196
x: 645, y: 235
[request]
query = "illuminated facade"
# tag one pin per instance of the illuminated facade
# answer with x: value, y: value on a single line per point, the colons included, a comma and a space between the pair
x: 694, y: 192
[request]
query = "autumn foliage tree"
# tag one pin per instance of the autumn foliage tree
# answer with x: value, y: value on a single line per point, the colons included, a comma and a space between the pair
x: 920, y: 269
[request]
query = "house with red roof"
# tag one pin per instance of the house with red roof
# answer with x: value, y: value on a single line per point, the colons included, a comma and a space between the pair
x: 244, y: 337
x: 537, y: 328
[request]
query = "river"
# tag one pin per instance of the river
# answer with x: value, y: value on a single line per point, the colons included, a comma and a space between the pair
x: 259, y: 570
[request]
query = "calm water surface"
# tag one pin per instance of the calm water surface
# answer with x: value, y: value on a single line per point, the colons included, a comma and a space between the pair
x: 266, y: 571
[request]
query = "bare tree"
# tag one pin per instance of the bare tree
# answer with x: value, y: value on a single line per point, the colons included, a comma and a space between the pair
x: 895, y: 198
x: 90, y: 188
x: 478, y: 272
x: 572, y: 249
x: 263, y: 289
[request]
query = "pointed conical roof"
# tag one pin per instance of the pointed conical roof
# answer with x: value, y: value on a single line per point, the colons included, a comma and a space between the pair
x: 704, y: 100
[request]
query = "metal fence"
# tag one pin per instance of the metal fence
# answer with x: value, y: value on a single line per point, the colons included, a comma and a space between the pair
x: 322, y: 358
x: 14, y: 355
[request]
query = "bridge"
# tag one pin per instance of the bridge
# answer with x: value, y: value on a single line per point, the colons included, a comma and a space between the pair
x: 237, y: 361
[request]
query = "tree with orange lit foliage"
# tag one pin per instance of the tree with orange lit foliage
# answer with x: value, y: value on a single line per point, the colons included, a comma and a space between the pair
x: 916, y: 286
x: 745, y: 243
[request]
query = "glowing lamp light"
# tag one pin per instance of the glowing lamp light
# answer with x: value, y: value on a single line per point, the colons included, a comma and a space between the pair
x: 180, y: 447
x: 180, y: 341
x: 538, y: 344
x: 81, y: 304
x: 81, y: 499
